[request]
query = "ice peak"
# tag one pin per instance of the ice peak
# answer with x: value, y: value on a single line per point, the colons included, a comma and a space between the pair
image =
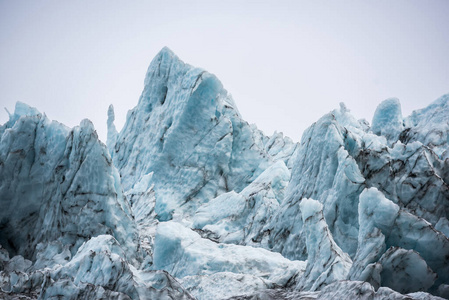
x: 162, y: 63
x: 437, y: 111
x: 23, y: 109
x: 443, y: 101
x: 87, y: 126
x: 167, y: 51
x: 165, y: 54
x: 387, y: 120
x: 343, y: 107
x: 112, y: 131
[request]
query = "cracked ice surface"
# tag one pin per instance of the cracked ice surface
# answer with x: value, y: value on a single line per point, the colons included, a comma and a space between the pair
x: 326, y: 262
x: 57, y: 184
x: 187, y: 130
x: 189, y: 200
x: 59, y: 194
x: 202, y: 257
x: 384, y: 225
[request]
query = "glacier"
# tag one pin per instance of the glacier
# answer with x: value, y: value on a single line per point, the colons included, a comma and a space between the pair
x: 189, y: 201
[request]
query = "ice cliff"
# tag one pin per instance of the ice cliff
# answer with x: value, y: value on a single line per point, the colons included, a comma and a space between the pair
x: 189, y: 201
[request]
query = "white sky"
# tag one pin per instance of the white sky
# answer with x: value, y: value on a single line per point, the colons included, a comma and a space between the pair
x: 286, y: 63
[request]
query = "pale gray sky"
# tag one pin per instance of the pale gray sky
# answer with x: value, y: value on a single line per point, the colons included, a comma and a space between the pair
x: 286, y: 63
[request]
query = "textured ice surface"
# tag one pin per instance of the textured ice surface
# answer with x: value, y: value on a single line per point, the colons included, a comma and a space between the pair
x: 187, y: 130
x: 203, y: 204
x: 240, y: 218
x: 430, y: 126
x: 382, y: 225
x: 335, y: 161
x: 322, y: 169
x: 102, y: 263
x: 399, y: 270
x: 58, y: 189
x: 112, y: 131
x: 224, y: 285
x: 338, y: 290
x: 57, y: 184
x: 412, y: 176
x: 99, y: 270
x: 143, y: 200
x: 387, y: 120
x: 326, y: 262
x: 278, y: 146
x: 182, y: 252
x: 217, y: 271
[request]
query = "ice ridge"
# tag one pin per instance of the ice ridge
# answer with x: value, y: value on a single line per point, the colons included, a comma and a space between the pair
x: 189, y: 201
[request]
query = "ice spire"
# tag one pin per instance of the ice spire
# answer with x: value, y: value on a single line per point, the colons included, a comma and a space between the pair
x: 112, y: 131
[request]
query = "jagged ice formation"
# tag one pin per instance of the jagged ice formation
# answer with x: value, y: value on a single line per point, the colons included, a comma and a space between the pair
x: 190, y: 201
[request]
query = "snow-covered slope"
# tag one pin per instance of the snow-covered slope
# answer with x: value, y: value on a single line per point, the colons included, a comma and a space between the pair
x: 190, y: 201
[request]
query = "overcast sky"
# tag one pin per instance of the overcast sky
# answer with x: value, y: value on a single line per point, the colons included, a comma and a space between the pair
x: 286, y: 63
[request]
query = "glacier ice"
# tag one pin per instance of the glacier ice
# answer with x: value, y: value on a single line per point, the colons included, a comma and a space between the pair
x: 224, y: 285
x: 399, y: 269
x: 102, y: 262
x: 382, y: 225
x: 190, y: 201
x: 335, y: 161
x: 202, y: 256
x: 58, y: 184
x: 326, y: 262
x: 430, y: 126
x: 343, y: 289
x: 59, y: 190
x: 239, y: 218
x: 388, y: 120
x: 112, y: 131
x: 323, y: 169
x: 187, y: 130
x: 184, y: 254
